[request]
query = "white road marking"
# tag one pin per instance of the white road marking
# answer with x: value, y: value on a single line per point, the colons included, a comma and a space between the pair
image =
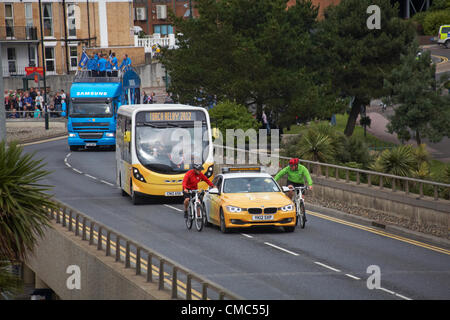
x: 76, y: 170
x: 282, y: 249
x: 168, y: 206
x: 403, y: 297
x: 89, y: 176
x: 326, y: 266
x: 352, y: 276
x: 108, y: 183
x: 247, y: 235
x: 386, y: 290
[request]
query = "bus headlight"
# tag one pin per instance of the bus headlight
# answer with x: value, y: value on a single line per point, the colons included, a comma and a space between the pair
x: 210, y: 171
x: 109, y: 134
x: 137, y: 175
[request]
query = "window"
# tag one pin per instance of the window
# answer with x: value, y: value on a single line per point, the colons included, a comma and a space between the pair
x: 31, y: 56
x: 11, y: 54
x: 71, y: 20
x: 50, y: 59
x: 48, y: 19
x: 29, y: 21
x: 9, y: 20
x: 163, y: 29
x: 73, y: 57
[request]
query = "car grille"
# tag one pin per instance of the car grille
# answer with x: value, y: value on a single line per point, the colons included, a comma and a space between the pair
x: 262, y: 210
x: 90, y: 135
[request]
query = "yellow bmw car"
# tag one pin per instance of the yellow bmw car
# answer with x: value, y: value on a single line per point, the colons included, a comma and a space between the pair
x: 247, y: 197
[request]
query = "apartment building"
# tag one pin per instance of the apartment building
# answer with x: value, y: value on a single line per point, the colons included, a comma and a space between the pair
x: 152, y: 15
x: 68, y: 26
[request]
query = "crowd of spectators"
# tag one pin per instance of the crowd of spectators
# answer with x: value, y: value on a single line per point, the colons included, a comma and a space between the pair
x: 30, y: 103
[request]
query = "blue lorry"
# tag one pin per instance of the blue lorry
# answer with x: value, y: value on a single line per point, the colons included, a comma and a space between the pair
x: 93, y: 104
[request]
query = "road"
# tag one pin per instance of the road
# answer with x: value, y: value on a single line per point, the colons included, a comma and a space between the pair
x: 329, y: 259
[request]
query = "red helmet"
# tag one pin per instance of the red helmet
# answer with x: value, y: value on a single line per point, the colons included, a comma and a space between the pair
x: 293, y: 161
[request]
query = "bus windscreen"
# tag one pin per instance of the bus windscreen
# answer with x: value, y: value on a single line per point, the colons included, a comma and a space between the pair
x: 170, y: 142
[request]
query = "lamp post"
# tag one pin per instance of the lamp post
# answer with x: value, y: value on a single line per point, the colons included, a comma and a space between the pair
x: 43, y: 66
x: 190, y: 10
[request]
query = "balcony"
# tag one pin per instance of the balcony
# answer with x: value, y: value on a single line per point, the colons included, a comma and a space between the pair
x: 150, y: 43
x: 18, y: 33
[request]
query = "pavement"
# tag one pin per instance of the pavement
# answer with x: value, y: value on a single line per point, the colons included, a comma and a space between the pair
x: 439, y: 151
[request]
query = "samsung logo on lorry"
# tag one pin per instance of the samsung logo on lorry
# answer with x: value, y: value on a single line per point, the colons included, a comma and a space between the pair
x: 91, y: 93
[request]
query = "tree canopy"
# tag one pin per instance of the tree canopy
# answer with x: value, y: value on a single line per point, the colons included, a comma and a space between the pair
x: 359, y: 58
x: 255, y: 52
x: 419, y: 106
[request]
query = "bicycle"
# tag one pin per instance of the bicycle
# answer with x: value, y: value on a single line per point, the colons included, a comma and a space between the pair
x: 300, y: 206
x: 196, y: 206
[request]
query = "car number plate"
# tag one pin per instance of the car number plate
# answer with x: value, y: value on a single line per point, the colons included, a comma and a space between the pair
x: 263, y: 217
x: 91, y: 144
x: 174, y: 193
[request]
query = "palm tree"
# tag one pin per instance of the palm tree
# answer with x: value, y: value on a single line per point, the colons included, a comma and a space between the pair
x: 23, y: 202
x: 399, y: 161
x: 316, y: 146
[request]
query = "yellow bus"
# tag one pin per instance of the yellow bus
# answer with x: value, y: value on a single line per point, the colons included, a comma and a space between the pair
x: 156, y: 144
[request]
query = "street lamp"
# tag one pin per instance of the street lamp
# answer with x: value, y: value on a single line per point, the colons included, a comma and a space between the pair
x: 43, y: 66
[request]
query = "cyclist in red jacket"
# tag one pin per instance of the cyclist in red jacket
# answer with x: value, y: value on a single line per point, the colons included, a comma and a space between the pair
x: 190, y: 182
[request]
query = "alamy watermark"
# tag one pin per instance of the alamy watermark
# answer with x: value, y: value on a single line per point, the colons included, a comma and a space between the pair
x: 374, y: 20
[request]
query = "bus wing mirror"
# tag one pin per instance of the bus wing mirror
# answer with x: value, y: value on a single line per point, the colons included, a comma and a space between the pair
x: 215, y: 132
x: 127, y: 136
x: 63, y: 114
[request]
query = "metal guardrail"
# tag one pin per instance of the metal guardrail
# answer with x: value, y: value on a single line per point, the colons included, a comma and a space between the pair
x: 405, y: 184
x: 182, y: 283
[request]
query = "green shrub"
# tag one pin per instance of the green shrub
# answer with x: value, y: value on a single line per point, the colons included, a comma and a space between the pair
x: 434, y: 20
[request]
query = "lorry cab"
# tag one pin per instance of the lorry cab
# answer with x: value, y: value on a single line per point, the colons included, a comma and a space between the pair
x: 93, y: 105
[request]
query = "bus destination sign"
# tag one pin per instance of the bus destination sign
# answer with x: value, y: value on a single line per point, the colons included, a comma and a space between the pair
x: 156, y: 116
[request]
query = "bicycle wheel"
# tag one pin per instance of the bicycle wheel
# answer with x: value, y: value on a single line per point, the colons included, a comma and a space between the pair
x: 189, y: 218
x: 302, y: 215
x: 199, y: 217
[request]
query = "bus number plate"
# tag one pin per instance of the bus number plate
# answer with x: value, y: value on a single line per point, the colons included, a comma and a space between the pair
x: 174, y: 194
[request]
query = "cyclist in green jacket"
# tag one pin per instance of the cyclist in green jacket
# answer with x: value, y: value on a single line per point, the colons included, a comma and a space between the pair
x: 296, y: 176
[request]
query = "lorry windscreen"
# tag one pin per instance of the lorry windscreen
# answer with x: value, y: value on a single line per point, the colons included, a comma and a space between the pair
x: 90, y: 109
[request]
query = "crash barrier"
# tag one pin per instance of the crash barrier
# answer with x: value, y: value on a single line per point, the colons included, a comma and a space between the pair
x: 182, y: 283
x: 436, y: 190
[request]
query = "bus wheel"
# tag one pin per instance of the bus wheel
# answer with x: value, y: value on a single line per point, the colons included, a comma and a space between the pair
x: 124, y: 194
x: 135, y: 199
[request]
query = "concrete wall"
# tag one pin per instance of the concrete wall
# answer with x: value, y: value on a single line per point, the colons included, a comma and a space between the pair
x: 424, y: 212
x: 101, y: 277
x: 151, y: 76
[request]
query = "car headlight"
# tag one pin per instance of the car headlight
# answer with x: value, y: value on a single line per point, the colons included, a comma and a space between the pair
x: 138, y: 175
x: 109, y: 134
x: 289, y: 207
x: 233, y: 209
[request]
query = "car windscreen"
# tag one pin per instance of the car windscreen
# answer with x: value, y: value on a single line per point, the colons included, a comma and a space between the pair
x: 250, y: 184
x: 90, y: 109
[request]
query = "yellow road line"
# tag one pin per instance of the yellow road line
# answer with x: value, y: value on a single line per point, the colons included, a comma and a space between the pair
x: 444, y: 59
x: 381, y: 233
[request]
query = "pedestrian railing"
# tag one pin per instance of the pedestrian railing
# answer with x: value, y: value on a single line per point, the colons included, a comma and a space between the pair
x: 407, y: 185
x: 154, y: 267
